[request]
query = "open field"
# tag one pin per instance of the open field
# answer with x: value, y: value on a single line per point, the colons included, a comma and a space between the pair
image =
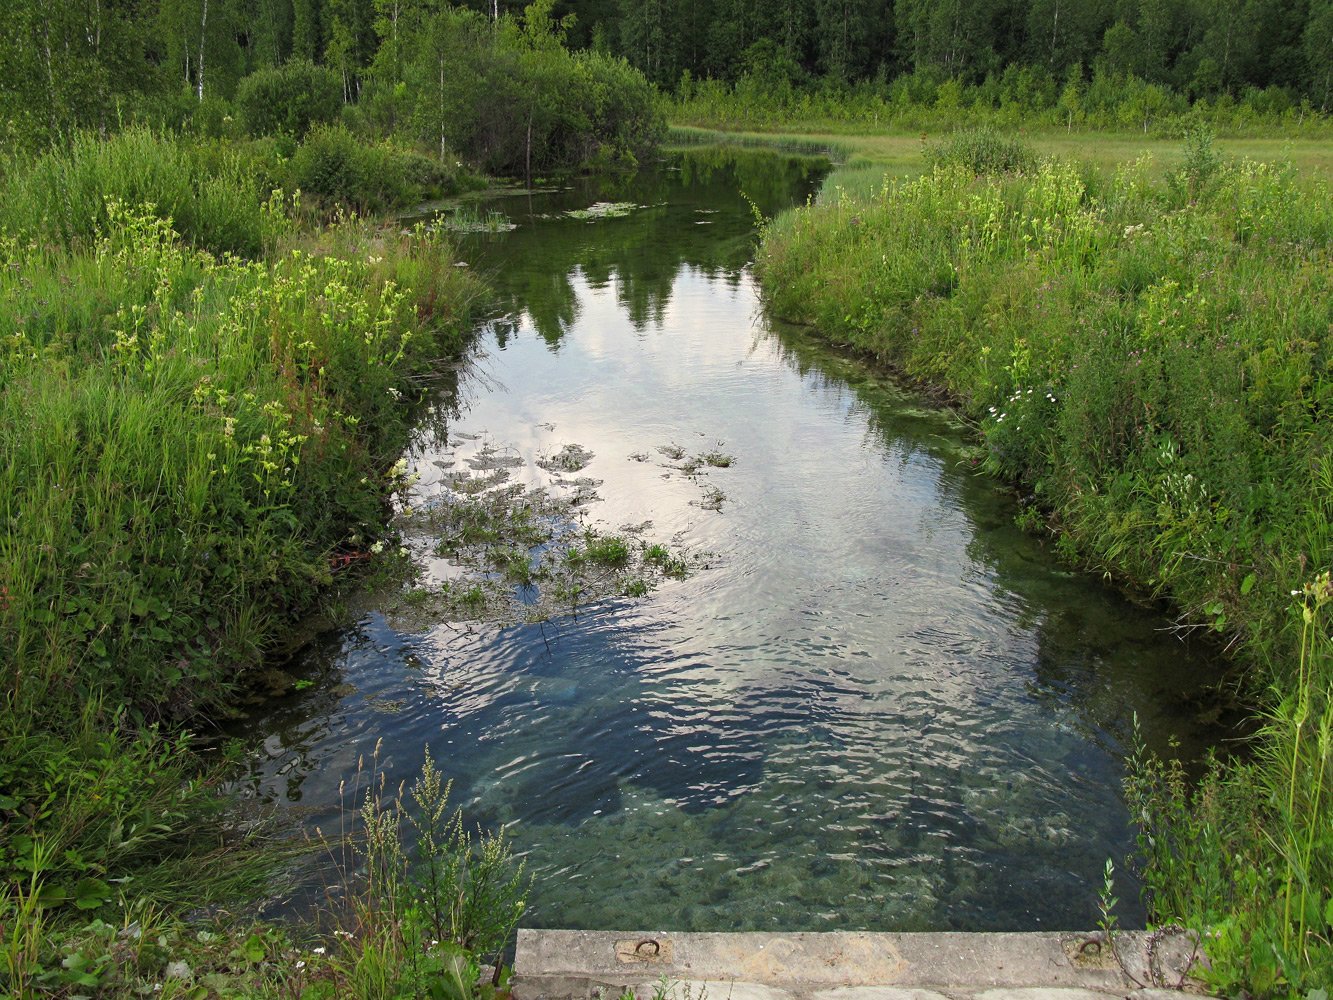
x: 864, y: 159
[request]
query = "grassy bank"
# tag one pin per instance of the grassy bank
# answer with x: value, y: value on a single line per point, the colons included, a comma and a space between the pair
x: 863, y: 158
x: 1027, y: 99
x: 188, y: 439
x: 1149, y: 354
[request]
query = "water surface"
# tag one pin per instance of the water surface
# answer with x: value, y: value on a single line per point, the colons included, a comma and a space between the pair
x: 876, y: 705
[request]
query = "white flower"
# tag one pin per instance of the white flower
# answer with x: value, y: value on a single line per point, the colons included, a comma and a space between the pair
x: 318, y: 951
x: 377, y: 548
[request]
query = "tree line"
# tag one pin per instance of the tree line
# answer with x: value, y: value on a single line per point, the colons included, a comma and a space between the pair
x: 499, y: 88
x: 1203, y: 48
x: 91, y: 63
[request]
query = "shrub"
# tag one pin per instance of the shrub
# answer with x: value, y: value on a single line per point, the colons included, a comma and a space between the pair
x: 336, y: 166
x: 983, y: 151
x: 291, y: 99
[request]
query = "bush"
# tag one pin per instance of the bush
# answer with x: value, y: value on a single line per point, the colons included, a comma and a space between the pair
x: 290, y: 99
x: 983, y: 151
x: 336, y: 166
x: 515, y: 100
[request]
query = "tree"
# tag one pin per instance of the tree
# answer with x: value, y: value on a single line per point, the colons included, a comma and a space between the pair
x: 307, y: 33
x: 1071, y: 97
x: 66, y: 61
x: 1317, y: 47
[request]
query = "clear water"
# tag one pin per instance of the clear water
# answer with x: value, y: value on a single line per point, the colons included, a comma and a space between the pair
x: 881, y: 706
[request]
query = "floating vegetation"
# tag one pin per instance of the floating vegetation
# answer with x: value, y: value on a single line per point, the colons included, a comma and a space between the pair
x: 466, y: 219
x: 489, y: 459
x: 570, y: 458
x: 695, y: 467
x: 517, y: 555
x: 712, y: 499
x: 604, y: 210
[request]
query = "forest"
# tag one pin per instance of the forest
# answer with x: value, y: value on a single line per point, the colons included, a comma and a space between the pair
x: 99, y: 63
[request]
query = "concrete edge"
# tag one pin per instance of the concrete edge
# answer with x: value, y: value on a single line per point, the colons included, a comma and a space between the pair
x: 839, y: 965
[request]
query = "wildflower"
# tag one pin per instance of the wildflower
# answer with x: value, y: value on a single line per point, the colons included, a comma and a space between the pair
x: 318, y: 951
x: 377, y: 548
x: 402, y: 552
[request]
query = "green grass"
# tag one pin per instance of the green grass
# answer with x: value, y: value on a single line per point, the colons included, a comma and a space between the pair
x: 184, y: 442
x: 1148, y: 352
x: 211, y: 194
x: 395, y: 928
x: 863, y: 160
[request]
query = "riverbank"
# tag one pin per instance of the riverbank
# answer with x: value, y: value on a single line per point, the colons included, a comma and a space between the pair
x: 195, y: 446
x: 1148, y: 357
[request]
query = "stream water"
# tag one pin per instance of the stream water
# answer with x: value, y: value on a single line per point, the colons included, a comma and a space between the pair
x: 874, y: 703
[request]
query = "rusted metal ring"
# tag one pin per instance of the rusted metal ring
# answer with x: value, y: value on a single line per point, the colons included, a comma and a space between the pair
x: 657, y: 947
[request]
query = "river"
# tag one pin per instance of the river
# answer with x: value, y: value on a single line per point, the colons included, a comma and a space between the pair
x: 872, y: 703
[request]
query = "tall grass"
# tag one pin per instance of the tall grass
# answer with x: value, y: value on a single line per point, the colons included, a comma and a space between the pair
x: 183, y: 441
x: 1152, y: 361
x: 211, y: 195
x: 1248, y: 855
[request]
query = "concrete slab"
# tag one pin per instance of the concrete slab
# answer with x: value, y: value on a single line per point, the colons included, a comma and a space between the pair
x: 657, y: 965
x: 1041, y: 993
x: 876, y: 993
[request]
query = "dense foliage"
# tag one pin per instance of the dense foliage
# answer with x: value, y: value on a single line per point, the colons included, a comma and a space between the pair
x: 505, y: 95
x: 482, y: 76
x: 1153, y: 362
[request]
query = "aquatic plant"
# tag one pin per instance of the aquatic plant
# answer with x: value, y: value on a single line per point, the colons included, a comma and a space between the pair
x: 524, y: 555
x: 467, y: 219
